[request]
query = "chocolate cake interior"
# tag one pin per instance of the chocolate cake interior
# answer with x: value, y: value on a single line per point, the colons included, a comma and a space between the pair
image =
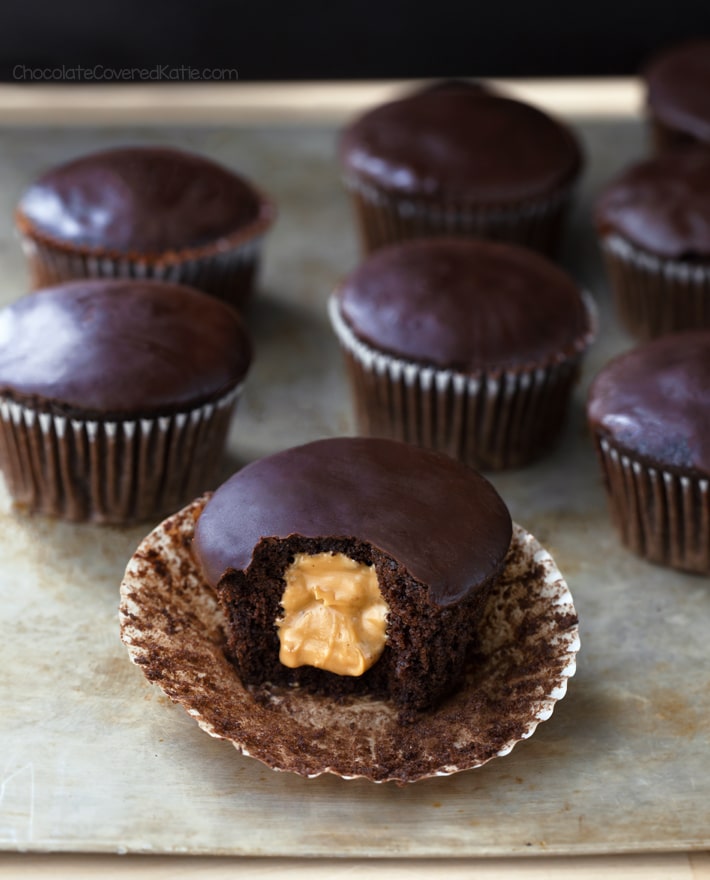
x: 426, y: 646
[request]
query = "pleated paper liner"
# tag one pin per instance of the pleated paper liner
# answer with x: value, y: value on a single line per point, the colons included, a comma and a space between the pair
x: 174, y: 630
x: 653, y: 295
x: 491, y: 419
x: 225, y: 269
x: 110, y: 471
x: 385, y: 219
x: 660, y: 515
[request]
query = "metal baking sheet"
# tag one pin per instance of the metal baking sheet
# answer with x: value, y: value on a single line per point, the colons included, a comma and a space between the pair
x: 93, y: 758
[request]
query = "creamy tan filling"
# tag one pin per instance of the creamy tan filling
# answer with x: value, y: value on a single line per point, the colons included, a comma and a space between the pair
x: 334, y: 614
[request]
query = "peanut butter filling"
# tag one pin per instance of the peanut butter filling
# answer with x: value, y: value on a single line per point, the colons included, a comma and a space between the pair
x: 334, y: 614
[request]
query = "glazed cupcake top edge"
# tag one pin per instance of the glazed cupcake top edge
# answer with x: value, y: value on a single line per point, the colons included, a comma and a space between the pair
x: 661, y: 205
x: 461, y: 145
x: 677, y: 87
x: 465, y: 305
x: 142, y: 200
x: 439, y: 518
x: 120, y: 349
x: 654, y: 402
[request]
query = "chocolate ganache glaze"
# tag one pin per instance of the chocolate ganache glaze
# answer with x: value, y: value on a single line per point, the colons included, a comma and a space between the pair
x: 120, y: 348
x: 440, y: 519
x: 146, y: 200
x: 465, y: 144
x: 463, y: 304
x: 678, y: 83
x: 661, y: 205
x: 654, y: 402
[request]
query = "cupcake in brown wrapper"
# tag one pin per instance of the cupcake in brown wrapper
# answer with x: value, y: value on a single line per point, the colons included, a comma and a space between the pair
x: 116, y: 397
x: 654, y: 225
x: 459, y: 162
x: 648, y: 412
x: 467, y: 347
x: 145, y: 213
x: 678, y: 100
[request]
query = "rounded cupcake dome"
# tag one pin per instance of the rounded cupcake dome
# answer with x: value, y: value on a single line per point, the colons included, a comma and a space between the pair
x: 653, y: 220
x: 464, y: 144
x: 465, y: 346
x: 116, y: 397
x: 661, y: 205
x: 417, y: 506
x: 677, y: 93
x: 120, y: 348
x: 648, y: 411
x: 145, y: 212
x: 653, y: 402
x: 146, y: 200
x: 465, y: 305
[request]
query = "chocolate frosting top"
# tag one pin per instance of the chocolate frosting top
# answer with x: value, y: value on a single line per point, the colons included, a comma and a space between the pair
x: 464, y: 305
x: 439, y: 518
x: 678, y: 83
x: 463, y: 144
x: 120, y: 348
x: 148, y: 200
x: 654, y: 401
x: 661, y: 205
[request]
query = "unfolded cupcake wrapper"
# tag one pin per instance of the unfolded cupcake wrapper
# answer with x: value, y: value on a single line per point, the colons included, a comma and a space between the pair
x: 386, y: 219
x: 660, y: 515
x: 226, y: 274
x: 111, y: 471
x: 653, y: 295
x: 489, y: 419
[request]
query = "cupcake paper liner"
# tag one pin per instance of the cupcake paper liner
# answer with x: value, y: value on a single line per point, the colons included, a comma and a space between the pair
x: 490, y: 419
x: 386, y: 219
x: 653, y: 295
x: 528, y: 636
x: 110, y: 471
x: 226, y: 274
x: 660, y: 515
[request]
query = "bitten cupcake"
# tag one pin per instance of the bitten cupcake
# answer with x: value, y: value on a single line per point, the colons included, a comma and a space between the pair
x: 115, y: 397
x: 145, y: 212
x: 678, y: 97
x: 468, y: 347
x: 341, y: 573
x: 649, y: 413
x: 459, y: 161
x: 653, y: 221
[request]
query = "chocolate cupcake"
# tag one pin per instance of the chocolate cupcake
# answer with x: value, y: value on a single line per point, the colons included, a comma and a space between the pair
x: 354, y: 565
x: 459, y: 161
x: 649, y: 412
x: 653, y: 221
x: 678, y: 98
x: 145, y: 212
x: 115, y: 397
x: 526, y: 641
x: 468, y: 347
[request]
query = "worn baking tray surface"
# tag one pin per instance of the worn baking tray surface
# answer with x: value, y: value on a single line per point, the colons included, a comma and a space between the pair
x: 93, y: 758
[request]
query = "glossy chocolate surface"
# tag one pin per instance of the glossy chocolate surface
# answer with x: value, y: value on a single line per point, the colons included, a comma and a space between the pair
x: 661, y: 205
x: 145, y: 200
x: 678, y: 83
x: 120, y: 348
x: 437, y: 517
x: 461, y: 144
x: 654, y: 401
x: 464, y: 304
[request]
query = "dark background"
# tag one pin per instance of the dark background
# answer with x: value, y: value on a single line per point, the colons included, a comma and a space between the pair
x: 271, y: 40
